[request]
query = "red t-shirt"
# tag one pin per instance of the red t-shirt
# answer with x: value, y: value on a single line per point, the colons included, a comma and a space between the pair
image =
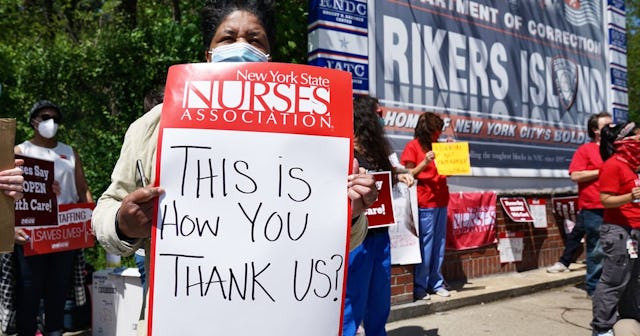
x: 432, y: 188
x: 587, y: 157
x: 617, y: 178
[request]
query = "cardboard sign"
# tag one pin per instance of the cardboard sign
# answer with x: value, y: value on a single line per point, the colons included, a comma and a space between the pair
x: 7, y: 140
x: 452, y: 158
x: 380, y: 213
x: 72, y: 231
x: 538, y: 210
x: 39, y: 206
x: 516, y: 208
x: 510, y: 245
x: 255, y: 219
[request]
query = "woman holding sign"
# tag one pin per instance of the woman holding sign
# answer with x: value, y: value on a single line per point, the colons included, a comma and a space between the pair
x: 233, y: 31
x: 433, y: 198
x: 47, y: 276
x: 368, y: 297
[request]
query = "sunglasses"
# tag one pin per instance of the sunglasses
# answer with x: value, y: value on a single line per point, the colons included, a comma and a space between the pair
x: 44, y: 117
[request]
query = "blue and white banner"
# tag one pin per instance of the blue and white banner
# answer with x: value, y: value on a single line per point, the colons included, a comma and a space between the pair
x: 338, y: 42
x: 517, y: 79
x: 352, y: 13
x: 338, y: 38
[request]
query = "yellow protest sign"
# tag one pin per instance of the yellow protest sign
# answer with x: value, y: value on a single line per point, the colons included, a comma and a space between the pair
x: 452, y: 158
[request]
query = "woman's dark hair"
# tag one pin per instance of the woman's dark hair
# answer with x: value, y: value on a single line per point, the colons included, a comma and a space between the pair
x: 215, y: 11
x: 428, y: 124
x: 153, y: 97
x: 612, y: 132
x: 369, y: 134
x: 592, y: 123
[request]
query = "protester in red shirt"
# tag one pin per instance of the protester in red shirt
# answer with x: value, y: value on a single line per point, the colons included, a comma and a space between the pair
x: 620, y: 230
x: 584, y: 170
x: 433, y: 198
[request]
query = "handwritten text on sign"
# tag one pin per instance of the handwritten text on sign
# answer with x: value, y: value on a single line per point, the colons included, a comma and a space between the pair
x: 452, y: 158
x: 253, y: 224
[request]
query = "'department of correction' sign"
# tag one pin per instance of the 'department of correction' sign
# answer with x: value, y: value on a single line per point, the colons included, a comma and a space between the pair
x: 252, y: 233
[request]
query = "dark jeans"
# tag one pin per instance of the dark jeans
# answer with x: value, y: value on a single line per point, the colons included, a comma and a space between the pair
x: 46, y: 276
x: 619, y: 272
x: 588, y: 222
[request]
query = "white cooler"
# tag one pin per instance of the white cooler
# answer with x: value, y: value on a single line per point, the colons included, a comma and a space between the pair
x: 116, y: 302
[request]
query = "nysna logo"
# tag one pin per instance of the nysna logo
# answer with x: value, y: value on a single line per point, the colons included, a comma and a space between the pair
x: 565, y: 80
x: 257, y: 102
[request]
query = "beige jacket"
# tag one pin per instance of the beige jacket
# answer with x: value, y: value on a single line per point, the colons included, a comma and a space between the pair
x: 140, y: 142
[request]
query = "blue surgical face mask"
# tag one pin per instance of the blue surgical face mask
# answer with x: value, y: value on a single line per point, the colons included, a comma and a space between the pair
x: 237, y: 52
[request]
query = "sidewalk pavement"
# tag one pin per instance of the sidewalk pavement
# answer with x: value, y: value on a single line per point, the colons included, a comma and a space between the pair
x: 489, y: 288
x: 476, y: 291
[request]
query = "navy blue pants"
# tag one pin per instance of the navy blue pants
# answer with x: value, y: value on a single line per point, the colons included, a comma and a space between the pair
x: 368, y: 297
x: 588, y: 223
x: 45, y: 276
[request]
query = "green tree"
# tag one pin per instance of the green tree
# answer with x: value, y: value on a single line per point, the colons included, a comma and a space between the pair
x: 98, y: 58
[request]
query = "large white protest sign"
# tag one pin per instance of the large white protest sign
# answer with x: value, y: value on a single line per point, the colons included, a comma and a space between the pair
x: 252, y: 233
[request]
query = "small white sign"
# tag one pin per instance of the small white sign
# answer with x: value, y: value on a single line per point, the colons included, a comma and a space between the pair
x: 510, y: 246
x: 538, y: 210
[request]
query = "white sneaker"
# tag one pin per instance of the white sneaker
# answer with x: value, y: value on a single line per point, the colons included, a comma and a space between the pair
x: 603, y: 333
x: 557, y: 268
x: 425, y: 297
x: 443, y: 292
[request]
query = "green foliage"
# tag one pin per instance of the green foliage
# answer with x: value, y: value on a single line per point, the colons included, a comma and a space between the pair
x: 87, y: 57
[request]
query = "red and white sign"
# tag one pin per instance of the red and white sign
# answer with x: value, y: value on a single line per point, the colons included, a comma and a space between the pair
x: 254, y: 223
x: 566, y: 209
x: 516, y: 208
x: 471, y: 220
x: 380, y: 213
x: 72, y: 231
x: 538, y: 210
x: 39, y: 206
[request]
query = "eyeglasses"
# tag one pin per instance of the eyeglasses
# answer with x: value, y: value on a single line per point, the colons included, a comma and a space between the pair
x: 44, y: 117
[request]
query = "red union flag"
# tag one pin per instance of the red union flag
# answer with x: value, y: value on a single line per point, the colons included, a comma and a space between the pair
x: 471, y: 220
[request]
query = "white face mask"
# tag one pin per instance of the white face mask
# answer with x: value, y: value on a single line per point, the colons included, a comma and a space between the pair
x: 47, y: 128
x: 237, y: 52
